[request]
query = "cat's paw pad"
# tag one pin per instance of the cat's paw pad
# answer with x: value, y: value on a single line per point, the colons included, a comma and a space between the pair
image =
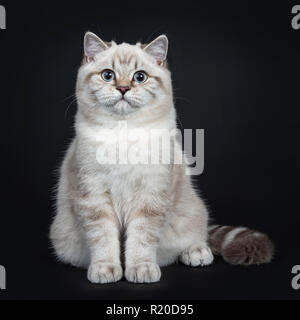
x: 197, y: 256
x: 145, y: 272
x: 104, y: 272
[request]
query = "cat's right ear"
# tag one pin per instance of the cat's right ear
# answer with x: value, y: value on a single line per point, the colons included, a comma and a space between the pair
x: 92, y: 46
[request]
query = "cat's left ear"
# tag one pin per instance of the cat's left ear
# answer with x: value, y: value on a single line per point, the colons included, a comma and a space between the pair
x: 92, y: 46
x: 158, y: 49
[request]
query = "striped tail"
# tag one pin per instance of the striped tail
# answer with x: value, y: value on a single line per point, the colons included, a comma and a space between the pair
x: 239, y: 245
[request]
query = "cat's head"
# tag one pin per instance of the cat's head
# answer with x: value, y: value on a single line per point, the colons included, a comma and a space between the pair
x: 118, y: 80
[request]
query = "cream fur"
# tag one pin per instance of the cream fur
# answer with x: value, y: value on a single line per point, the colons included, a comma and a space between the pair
x: 151, y: 212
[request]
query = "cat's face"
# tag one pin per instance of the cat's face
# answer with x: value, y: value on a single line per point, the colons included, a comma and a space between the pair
x: 122, y: 79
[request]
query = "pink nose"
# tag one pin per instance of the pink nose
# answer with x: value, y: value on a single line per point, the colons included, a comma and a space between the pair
x: 123, y: 89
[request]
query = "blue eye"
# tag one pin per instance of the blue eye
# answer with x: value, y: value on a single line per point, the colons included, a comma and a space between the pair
x: 108, y: 75
x: 140, y: 76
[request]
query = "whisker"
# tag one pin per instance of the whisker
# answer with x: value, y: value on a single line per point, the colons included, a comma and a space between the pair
x: 184, y: 99
x: 65, y: 116
x: 180, y: 123
x: 69, y: 97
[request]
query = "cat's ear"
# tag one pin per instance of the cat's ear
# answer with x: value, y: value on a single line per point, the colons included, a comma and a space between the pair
x: 92, y: 46
x: 158, y: 49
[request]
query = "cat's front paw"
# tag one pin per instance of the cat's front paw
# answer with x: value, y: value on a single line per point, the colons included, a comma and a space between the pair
x: 99, y: 272
x: 145, y: 272
x: 197, y: 256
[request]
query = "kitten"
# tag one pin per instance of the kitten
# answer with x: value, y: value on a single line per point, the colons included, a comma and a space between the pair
x: 151, y: 211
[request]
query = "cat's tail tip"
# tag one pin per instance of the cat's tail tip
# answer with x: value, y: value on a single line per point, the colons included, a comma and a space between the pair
x: 240, y: 246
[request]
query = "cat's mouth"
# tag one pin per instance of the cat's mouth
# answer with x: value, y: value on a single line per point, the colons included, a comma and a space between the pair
x: 123, y: 106
x: 120, y: 105
x: 123, y: 98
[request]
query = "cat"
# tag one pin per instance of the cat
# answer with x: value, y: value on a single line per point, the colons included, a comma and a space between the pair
x: 136, y: 216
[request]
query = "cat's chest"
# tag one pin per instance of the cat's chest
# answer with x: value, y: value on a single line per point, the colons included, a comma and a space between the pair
x: 115, y: 158
x: 129, y: 187
x: 127, y: 177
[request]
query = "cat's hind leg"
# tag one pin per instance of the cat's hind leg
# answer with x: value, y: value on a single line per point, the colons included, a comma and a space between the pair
x: 197, y: 255
x: 185, y: 235
x: 66, y: 235
x: 67, y: 240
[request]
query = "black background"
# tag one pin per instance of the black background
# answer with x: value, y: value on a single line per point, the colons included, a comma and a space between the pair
x: 235, y: 67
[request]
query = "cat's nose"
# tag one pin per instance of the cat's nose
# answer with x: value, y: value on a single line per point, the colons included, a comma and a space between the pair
x: 123, y: 89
